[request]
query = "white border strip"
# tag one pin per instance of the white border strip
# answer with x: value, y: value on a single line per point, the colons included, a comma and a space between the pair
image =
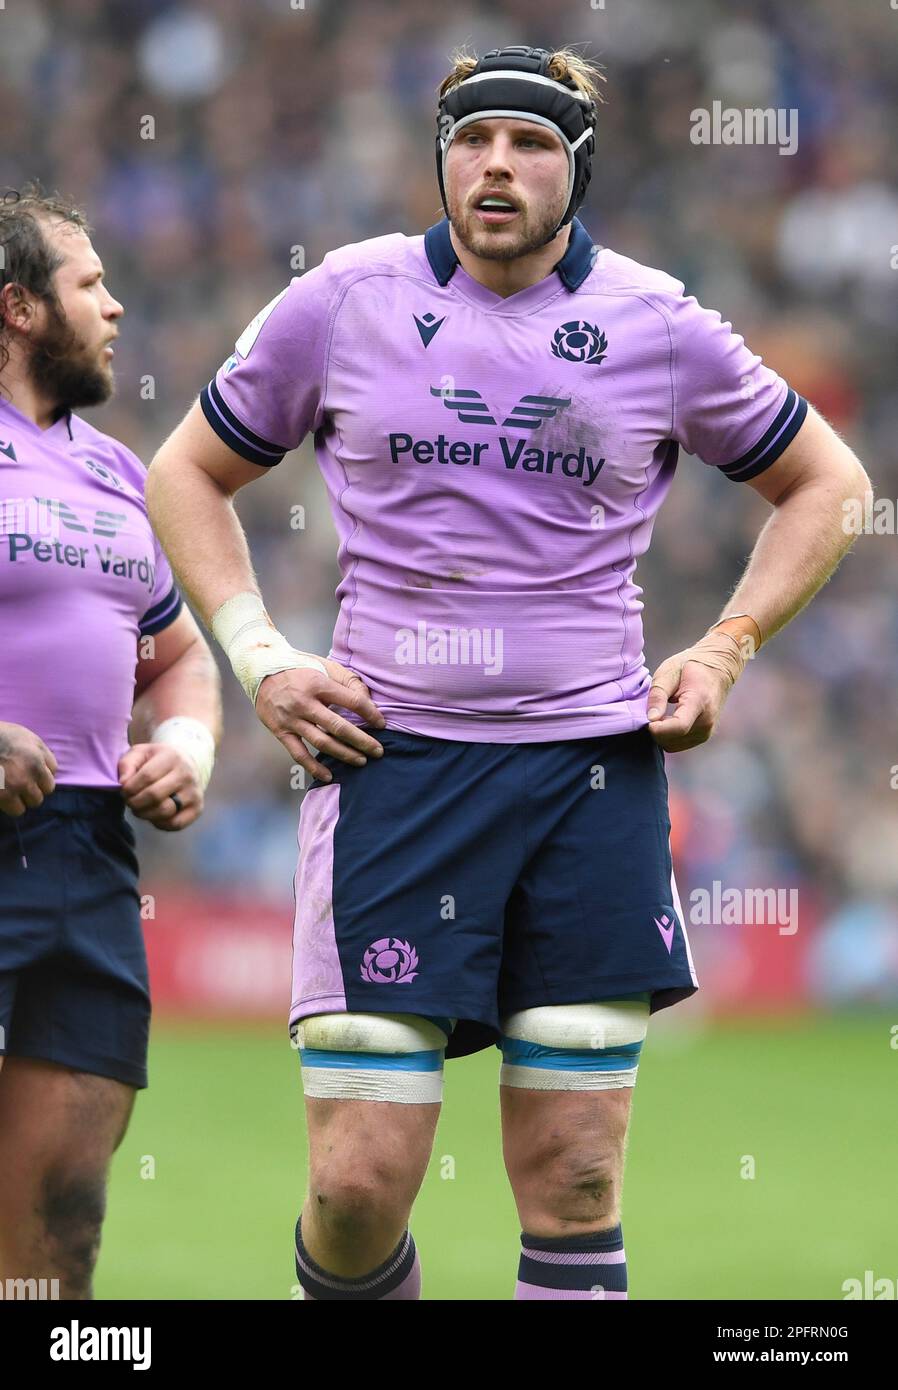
x: 522, y: 77
x: 542, y: 1079
x: 363, y: 1083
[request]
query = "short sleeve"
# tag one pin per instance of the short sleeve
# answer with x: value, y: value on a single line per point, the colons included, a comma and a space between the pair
x: 165, y: 600
x: 268, y: 395
x: 730, y: 410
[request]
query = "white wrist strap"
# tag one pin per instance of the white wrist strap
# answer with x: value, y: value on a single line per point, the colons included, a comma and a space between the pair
x: 253, y: 644
x: 193, y: 739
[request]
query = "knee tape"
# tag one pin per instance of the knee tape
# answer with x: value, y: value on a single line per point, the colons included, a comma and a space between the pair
x: 354, y: 1056
x: 575, y: 1047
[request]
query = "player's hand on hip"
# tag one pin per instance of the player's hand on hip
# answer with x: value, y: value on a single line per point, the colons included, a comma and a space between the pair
x: 27, y: 769
x: 294, y: 705
x: 151, y: 776
x: 697, y: 691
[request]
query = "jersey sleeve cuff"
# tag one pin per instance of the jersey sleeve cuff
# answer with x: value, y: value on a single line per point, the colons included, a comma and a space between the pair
x: 773, y: 441
x: 162, y: 613
x: 234, y: 433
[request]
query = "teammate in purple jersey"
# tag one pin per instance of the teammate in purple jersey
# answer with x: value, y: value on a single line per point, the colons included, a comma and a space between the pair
x: 497, y: 408
x: 97, y: 647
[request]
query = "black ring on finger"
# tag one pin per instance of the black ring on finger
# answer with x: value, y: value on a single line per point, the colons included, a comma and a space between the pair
x: 177, y: 800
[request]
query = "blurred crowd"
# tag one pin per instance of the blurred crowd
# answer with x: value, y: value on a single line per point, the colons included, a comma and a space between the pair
x: 218, y: 145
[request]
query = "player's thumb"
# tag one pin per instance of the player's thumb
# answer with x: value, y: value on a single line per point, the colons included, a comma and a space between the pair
x: 49, y: 757
x: 130, y: 762
x: 346, y: 676
x: 664, y: 685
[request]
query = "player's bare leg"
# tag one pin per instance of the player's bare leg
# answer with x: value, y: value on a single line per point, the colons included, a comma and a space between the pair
x: 58, y: 1131
x: 566, y: 1090
x: 367, y: 1163
x: 564, y: 1154
x: 373, y: 1086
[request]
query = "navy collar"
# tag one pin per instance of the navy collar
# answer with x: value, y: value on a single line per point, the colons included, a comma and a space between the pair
x: 573, y: 268
x: 67, y: 416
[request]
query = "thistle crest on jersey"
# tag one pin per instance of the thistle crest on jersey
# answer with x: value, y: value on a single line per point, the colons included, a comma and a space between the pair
x: 579, y: 341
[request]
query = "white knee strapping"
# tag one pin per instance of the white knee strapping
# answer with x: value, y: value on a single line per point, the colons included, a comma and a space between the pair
x: 574, y: 1047
x: 353, y: 1056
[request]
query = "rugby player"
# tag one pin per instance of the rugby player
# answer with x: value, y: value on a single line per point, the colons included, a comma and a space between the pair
x: 497, y: 408
x: 97, y: 644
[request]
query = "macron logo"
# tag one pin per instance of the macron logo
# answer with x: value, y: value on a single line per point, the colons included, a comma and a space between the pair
x: 9, y: 451
x: 666, y: 928
x: 427, y: 326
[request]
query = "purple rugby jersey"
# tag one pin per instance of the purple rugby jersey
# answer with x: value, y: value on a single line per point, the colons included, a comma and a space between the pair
x: 495, y: 466
x: 81, y: 576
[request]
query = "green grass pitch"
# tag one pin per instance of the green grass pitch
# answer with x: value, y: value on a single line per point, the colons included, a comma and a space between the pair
x: 812, y: 1101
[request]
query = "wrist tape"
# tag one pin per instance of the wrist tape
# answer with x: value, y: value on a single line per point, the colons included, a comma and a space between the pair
x: 253, y: 644
x: 192, y: 738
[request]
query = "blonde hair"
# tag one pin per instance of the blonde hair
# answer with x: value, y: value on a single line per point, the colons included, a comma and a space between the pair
x: 565, y: 65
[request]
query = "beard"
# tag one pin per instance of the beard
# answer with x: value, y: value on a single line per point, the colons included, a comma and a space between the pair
x: 61, y: 369
x: 490, y: 245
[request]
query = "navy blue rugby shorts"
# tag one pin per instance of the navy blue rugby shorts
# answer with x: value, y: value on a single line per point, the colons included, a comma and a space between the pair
x: 73, y: 969
x: 467, y: 880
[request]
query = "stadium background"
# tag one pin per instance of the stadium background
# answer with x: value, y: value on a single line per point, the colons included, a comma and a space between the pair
x: 280, y: 132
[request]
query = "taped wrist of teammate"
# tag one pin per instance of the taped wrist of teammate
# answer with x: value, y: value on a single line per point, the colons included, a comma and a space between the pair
x: 744, y: 635
x: 192, y: 738
x: 253, y: 644
x: 721, y: 651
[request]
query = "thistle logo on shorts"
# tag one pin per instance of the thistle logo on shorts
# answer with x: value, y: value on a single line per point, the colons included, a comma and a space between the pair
x: 389, y: 962
x: 579, y: 341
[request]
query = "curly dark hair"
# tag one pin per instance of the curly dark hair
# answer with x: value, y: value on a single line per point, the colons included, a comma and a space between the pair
x: 26, y: 257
